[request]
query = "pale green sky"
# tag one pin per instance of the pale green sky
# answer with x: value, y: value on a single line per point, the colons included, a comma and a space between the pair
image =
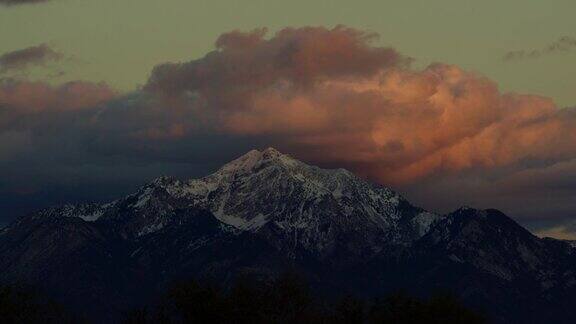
x: 119, y: 41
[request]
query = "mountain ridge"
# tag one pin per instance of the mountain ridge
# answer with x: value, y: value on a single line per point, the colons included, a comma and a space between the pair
x: 266, y: 212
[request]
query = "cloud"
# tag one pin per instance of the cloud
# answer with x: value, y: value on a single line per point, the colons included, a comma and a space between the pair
x: 303, y: 57
x: 330, y: 96
x: 68, y: 138
x: 25, y: 58
x: 559, y: 232
x: 563, y: 44
x: 22, y: 97
x: 20, y: 2
x: 33, y: 112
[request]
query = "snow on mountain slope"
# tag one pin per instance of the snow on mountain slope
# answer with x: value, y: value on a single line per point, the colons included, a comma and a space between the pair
x: 270, y: 191
x: 259, y: 186
x: 313, y: 207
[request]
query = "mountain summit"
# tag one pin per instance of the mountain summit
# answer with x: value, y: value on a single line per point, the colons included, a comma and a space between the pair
x: 272, y: 192
x: 266, y: 212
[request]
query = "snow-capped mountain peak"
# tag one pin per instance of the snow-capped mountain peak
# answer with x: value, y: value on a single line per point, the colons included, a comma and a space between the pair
x: 254, y: 159
x: 272, y: 192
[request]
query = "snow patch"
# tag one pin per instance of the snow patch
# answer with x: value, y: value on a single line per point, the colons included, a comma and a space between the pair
x: 92, y: 217
x: 150, y: 229
x: 424, y: 221
x: 143, y: 198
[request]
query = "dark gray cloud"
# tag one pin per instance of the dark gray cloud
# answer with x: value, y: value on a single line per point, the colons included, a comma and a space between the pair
x: 81, y: 141
x: 20, y: 2
x: 563, y: 44
x: 540, y: 197
x: 25, y: 58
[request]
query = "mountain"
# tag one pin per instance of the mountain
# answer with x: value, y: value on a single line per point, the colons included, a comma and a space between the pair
x: 265, y: 213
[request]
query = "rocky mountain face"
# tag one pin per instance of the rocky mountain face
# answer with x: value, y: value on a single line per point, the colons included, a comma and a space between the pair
x: 265, y: 213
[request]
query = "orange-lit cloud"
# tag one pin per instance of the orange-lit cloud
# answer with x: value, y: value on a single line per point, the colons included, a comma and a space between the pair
x: 304, y: 57
x: 331, y: 96
x: 27, y: 103
x: 29, y: 96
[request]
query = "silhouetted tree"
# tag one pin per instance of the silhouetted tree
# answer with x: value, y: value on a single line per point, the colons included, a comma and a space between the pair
x: 401, y: 308
x: 290, y: 300
x: 198, y: 303
x: 350, y: 310
x: 448, y: 309
x: 137, y: 316
x: 246, y: 303
x: 398, y: 308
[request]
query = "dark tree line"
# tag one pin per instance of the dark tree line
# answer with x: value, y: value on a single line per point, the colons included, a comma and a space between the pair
x: 285, y: 300
x: 289, y: 300
x: 25, y: 305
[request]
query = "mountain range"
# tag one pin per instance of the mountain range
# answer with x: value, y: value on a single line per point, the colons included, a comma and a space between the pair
x: 265, y: 213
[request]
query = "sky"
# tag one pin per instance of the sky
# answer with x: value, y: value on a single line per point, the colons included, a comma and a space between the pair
x: 120, y: 41
x: 451, y: 103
